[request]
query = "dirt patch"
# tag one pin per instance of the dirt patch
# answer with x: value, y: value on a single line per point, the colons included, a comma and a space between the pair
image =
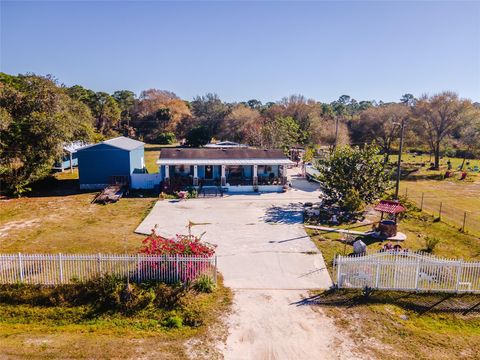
x: 17, y: 225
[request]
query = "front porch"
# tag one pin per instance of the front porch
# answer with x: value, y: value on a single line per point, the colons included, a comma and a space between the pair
x: 228, y: 177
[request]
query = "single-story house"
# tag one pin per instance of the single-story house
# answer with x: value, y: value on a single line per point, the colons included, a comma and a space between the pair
x: 233, y: 169
x: 110, y: 162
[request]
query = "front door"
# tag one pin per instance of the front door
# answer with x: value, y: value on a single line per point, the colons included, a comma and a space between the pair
x: 208, y: 172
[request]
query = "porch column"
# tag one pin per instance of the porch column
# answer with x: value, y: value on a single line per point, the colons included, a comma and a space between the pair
x: 195, y: 175
x: 223, y: 179
x: 255, y: 175
x: 167, y: 175
x: 71, y: 163
x: 284, y: 174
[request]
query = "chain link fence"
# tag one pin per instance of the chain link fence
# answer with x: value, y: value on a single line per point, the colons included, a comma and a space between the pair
x: 442, y: 208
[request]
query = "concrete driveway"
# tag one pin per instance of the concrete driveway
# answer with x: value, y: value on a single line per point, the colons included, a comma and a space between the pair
x: 269, y: 261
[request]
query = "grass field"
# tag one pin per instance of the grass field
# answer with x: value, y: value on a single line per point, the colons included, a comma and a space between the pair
x: 59, y: 218
x: 152, y: 153
x: 408, y: 325
x: 458, y: 199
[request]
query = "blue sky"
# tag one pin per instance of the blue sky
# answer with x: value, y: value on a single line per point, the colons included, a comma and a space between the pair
x: 243, y: 50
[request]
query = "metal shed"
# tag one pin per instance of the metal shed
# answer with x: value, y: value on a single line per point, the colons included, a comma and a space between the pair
x: 110, y: 161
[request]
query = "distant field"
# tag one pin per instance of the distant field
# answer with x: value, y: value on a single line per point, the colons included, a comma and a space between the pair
x: 152, y: 153
x: 456, y: 196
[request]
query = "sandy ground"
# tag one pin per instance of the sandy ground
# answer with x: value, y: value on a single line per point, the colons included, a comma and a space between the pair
x: 270, y: 263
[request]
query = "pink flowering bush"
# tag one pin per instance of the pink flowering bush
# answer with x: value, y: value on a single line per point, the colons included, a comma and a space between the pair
x: 181, y: 245
x: 186, y: 249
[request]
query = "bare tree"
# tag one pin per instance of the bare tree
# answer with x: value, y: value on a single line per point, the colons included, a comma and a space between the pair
x: 381, y: 124
x: 440, y: 115
x: 239, y: 123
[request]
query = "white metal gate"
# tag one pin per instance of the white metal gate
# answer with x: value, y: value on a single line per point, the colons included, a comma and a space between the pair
x: 403, y: 270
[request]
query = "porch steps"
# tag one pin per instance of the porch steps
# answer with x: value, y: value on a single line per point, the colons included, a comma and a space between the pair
x: 210, y: 191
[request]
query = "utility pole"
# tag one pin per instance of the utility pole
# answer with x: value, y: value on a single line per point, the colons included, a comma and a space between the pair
x: 397, y: 187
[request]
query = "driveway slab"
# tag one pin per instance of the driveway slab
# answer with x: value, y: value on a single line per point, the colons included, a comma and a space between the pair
x: 269, y: 261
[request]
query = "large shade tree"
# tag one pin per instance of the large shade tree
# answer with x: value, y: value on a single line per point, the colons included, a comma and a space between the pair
x: 37, y: 119
x: 438, y: 117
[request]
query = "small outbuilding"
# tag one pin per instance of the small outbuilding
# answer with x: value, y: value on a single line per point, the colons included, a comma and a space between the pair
x: 110, y: 162
x: 69, y: 157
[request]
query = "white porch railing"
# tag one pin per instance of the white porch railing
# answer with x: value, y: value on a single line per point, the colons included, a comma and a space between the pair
x: 407, y: 271
x: 49, y: 269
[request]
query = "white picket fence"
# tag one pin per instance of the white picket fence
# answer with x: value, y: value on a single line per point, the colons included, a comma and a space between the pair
x: 49, y: 269
x: 407, y: 271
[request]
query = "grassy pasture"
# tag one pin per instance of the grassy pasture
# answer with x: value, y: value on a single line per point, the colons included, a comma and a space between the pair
x: 456, y: 196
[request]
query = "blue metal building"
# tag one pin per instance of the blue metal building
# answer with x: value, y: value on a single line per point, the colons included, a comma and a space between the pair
x: 109, y: 162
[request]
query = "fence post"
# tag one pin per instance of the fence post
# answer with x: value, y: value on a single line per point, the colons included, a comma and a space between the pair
x: 417, y: 274
x: 464, y: 220
x: 176, y: 268
x: 459, y: 271
x: 99, y: 263
x: 60, y: 267
x: 215, y: 271
x: 406, y: 192
x: 377, y: 276
x: 440, y: 212
x: 421, y: 203
x: 138, y: 269
x: 339, y: 276
x: 20, y: 265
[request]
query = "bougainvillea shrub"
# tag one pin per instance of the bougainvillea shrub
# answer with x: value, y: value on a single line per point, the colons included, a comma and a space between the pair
x: 183, y: 255
x: 181, y: 245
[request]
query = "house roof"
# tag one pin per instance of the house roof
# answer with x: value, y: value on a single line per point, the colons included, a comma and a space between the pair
x: 222, y: 144
x: 74, y: 146
x: 227, y: 156
x: 390, y: 207
x: 120, y: 142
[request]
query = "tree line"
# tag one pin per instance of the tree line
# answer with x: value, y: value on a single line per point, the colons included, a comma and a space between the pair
x: 39, y: 115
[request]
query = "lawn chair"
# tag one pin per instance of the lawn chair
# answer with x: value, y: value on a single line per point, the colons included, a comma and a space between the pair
x: 463, y: 176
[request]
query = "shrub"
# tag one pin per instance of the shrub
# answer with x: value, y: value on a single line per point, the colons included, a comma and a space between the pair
x: 173, y: 322
x: 352, y: 202
x: 431, y: 243
x: 165, y: 138
x: 204, y: 284
x: 181, y: 245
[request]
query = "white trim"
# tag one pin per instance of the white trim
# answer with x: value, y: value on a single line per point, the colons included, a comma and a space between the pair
x: 224, y: 162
